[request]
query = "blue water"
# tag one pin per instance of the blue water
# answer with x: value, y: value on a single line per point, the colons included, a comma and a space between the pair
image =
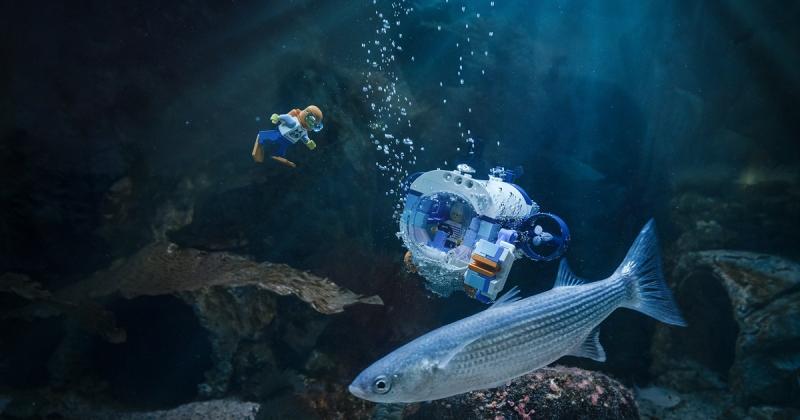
x: 125, y: 125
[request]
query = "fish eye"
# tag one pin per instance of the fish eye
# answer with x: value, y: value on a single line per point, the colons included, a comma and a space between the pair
x: 381, y: 385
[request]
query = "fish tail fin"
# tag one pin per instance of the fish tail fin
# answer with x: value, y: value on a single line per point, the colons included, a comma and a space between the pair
x: 646, y: 288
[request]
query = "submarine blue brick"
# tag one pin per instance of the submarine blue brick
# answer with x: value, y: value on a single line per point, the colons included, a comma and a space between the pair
x: 507, y: 235
x: 481, y: 298
x: 472, y: 233
x: 411, y: 201
x: 425, y: 206
x: 488, y: 230
x: 489, y: 250
x: 476, y: 281
x: 438, y: 240
x: 469, y: 239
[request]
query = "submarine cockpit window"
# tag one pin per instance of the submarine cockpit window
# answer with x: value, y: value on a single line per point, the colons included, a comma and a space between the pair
x: 440, y: 221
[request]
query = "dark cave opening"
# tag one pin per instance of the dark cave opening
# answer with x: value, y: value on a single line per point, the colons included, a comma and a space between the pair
x: 711, y: 335
x: 164, y: 357
x: 24, y: 350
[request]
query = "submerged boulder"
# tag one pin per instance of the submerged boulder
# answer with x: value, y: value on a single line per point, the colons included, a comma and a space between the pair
x: 74, y: 407
x: 556, y: 392
x: 163, y: 268
x: 41, y: 303
x: 233, y: 297
x: 763, y: 292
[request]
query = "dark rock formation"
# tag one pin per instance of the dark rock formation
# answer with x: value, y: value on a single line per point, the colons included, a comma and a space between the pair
x: 211, y: 410
x: 554, y: 392
x: 73, y: 407
x: 162, y: 268
x: 764, y: 301
x: 233, y: 297
x: 42, y: 304
x: 693, y: 405
x: 748, y: 217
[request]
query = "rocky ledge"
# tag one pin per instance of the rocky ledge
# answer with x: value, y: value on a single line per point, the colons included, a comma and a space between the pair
x: 556, y: 392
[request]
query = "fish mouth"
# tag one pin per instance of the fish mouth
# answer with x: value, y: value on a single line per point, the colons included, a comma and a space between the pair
x: 357, y: 391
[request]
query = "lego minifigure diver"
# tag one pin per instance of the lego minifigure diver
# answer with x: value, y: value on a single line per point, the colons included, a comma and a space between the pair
x: 293, y: 127
x: 449, y: 233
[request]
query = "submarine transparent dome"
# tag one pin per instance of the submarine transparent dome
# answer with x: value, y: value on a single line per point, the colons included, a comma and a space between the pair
x: 433, y: 233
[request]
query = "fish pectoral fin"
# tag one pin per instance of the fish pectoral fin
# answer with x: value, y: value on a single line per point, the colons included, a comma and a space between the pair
x: 442, y: 363
x: 590, y: 347
x: 509, y: 297
x: 565, y: 276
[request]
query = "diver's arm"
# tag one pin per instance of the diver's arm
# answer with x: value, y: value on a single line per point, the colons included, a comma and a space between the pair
x: 308, y: 142
x: 287, y: 120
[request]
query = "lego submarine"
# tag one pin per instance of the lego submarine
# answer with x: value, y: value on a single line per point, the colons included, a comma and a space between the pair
x: 464, y: 233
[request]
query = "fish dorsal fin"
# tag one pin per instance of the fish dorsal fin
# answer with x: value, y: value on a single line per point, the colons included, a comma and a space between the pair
x: 506, y: 298
x: 590, y: 347
x: 442, y: 363
x: 565, y: 276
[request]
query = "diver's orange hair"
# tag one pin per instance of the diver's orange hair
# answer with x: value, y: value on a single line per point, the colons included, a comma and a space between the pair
x: 313, y: 109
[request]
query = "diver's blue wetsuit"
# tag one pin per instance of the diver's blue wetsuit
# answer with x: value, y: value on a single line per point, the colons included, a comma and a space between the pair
x: 274, y: 136
x: 289, y: 132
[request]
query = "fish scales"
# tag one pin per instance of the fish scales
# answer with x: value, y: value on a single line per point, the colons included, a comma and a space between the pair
x: 537, y: 334
x: 515, y: 337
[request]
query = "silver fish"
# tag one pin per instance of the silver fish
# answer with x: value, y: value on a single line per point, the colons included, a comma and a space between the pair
x: 516, y: 336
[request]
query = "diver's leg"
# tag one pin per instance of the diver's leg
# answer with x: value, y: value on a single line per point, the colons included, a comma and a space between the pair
x: 283, y: 146
x: 258, y: 150
x: 263, y: 137
x: 280, y: 154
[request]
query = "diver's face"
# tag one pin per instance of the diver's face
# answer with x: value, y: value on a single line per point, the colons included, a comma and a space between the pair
x: 457, y: 214
x: 311, y: 122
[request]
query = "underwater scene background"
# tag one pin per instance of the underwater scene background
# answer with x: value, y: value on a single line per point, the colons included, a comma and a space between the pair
x: 150, y: 269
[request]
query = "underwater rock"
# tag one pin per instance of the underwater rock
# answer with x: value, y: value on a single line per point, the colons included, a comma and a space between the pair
x: 215, y: 409
x: 255, y: 372
x: 319, y: 362
x: 693, y: 405
x: 233, y: 297
x: 662, y: 397
x: 766, y: 412
x: 77, y: 408
x: 43, y: 304
x: 325, y: 400
x: 686, y: 375
x: 764, y: 295
x: 740, y: 218
x: 752, y: 280
x: 178, y: 210
x: 698, y: 217
x: 231, y: 315
x: 22, y: 286
x: 162, y: 268
x: 556, y: 392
